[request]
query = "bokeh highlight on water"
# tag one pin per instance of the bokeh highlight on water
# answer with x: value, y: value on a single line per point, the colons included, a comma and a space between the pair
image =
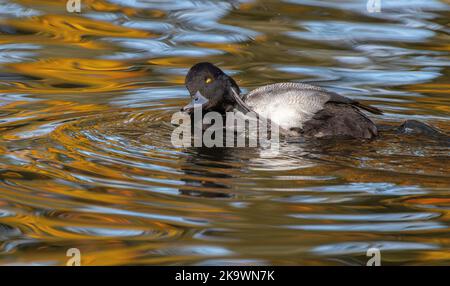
x: 86, y: 159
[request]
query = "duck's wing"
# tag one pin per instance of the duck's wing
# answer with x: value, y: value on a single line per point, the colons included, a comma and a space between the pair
x: 308, y: 98
x: 339, y: 120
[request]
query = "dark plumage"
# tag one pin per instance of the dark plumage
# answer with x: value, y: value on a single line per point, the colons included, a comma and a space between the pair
x: 296, y: 108
x: 336, y: 119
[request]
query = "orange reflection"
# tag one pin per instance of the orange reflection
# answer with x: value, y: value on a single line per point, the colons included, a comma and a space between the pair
x: 85, y: 75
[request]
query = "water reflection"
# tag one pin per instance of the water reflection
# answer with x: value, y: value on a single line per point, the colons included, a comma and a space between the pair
x: 86, y: 159
x: 204, y: 170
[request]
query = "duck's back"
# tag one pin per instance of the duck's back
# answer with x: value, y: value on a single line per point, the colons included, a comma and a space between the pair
x: 312, y: 110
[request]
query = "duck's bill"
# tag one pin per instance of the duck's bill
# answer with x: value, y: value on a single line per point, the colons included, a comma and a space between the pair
x: 198, y: 101
x: 240, y: 104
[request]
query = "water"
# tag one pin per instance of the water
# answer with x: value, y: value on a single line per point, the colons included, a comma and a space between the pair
x: 86, y: 159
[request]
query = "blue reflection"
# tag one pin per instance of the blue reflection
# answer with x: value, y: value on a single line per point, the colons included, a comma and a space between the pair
x: 331, y: 31
x: 373, y: 227
x: 362, y: 247
x: 358, y: 77
x: 369, y: 217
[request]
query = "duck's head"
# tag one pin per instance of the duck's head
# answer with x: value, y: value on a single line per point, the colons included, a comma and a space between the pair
x: 212, y: 90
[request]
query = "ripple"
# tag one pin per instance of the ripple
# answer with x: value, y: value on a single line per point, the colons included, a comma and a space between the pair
x: 368, y: 217
x: 5, y: 213
x: 105, y: 232
x: 153, y: 48
x: 11, y: 53
x: 8, y: 232
x: 332, y: 31
x: 382, y: 189
x: 362, y: 247
x: 200, y: 37
x: 204, y: 250
x: 16, y: 10
x: 87, y: 161
x: 314, y: 199
x: 72, y: 29
x: 437, y: 203
x: 232, y: 262
x: 364, y: 77
x: 139, y: 97
x: 373, y: 227
x: 411, y: 6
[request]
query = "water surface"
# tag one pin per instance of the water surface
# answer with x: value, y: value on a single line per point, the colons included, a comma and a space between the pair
x: 86, y: 159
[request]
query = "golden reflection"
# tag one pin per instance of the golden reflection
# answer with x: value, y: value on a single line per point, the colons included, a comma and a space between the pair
x: 72, y: 28
x: 86, y: 75
x: 48, y: 110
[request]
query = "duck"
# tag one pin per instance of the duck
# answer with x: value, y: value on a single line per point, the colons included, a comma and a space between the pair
x: 297, y: 108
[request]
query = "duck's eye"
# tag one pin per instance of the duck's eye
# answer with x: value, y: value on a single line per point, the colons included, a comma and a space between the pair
x: 208, y: 80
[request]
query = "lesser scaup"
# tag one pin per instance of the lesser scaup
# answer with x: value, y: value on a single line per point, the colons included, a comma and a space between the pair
x: 299, y: 108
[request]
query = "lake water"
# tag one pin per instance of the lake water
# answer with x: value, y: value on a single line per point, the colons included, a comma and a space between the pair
x: 87, y: 162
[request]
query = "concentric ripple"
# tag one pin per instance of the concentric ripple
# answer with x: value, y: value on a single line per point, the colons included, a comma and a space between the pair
x: 86, y: 159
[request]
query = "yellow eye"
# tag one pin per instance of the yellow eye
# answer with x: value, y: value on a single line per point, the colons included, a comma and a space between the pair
x: 208, y: 80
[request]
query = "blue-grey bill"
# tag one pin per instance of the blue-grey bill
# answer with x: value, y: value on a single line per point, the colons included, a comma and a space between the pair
x: 198, y: 101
